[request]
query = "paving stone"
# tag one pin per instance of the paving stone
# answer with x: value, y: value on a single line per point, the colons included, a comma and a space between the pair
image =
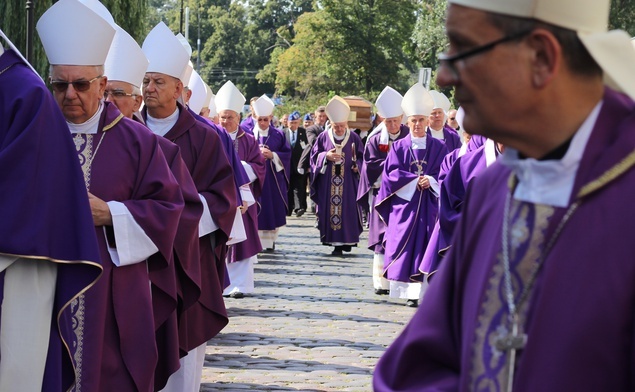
x: 313, y: 324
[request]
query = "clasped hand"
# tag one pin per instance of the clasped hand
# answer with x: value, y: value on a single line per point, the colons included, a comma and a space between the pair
x: 423, y: 182
x: 266, y: 153
x: 333, y: 156
x: 100, y: 210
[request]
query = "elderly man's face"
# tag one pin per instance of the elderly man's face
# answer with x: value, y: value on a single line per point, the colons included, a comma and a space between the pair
x: 160, y: 92
x: 307, y: 123
x: 340, y: 128
x: 284, y: 120
x: 437, y: 119
x: 121, y: 94
x: 294, y: 124
x: 78, y: 106
x: 488, y: 81
x: 417, y: 125
x: 229, y: 120
x: 393, y: 124
x: 263, y: 122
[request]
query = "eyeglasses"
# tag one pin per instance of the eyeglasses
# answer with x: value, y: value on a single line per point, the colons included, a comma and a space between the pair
x: 117, y: 94
x: 61, y: 86
x: 450, y: 61
x: 452, y: 118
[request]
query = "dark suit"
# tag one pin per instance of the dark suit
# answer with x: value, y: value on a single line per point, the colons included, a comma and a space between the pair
x: 297, y: 182
x: 312, y: 133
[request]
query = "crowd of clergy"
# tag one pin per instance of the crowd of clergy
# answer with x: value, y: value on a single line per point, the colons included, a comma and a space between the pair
x: 155, y: 208
x: 181, y: 196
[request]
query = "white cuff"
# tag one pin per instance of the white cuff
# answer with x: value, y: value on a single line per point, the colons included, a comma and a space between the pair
x: 133, y: 245
x: 300, y: 170
x: 434, y: 186
x: 408, y: 190
x: 277, y: 162
x: 246, y: 195
x: 238, y: 233
x: 250, y: 171
x: 206, y: 225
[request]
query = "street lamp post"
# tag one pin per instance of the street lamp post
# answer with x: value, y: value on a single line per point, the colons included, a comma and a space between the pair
x: 30, y: 16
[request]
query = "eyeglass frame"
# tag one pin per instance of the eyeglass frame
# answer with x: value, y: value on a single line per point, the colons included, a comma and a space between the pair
x: 121, y: 94
x: 450, y: 60
x: 55, y: 83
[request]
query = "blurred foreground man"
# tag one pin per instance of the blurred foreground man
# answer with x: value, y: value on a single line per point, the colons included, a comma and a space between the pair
x: 48, y: 248
x: 518, y: 304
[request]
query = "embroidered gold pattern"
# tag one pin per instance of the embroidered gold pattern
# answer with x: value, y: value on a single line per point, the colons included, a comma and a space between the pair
x: 488, y: 370
x: 337, y: 194
x: 78, y: 319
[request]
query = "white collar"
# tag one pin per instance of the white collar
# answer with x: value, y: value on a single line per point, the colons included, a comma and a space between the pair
x: 551, y: 182
x: 437, y: 134
x: 418, y: 143
x: 91, y: 126
x: 234, y: 134
x: 161, y: 126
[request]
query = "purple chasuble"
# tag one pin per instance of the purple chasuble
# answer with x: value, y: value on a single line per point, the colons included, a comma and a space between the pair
x: 374, y: 158
x: 185, y: 284
x: 44, y: 204
x: 273, y: 198
x: 409, y: 223
x: 248, y: 124
x: 334, y: 190
x: 203, y: 154
x: 578, y: 315
x: 248, y: 151
x: 451, y: 138
x: 452, y: 196
x: 115, y: 345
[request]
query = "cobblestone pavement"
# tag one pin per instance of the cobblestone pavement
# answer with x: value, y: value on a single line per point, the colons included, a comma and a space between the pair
x: 314, y: 323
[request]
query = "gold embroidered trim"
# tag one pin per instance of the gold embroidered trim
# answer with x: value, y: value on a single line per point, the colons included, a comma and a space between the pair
x: 113, y: 123
x: 608, y: 176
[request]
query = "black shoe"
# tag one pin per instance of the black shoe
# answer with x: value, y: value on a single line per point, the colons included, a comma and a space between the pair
x: 412, y: 303
x: 347, y: 248
x: 300, y: 212
x: 382, y: 292
x: 337, y: 252
x: 237, y: 295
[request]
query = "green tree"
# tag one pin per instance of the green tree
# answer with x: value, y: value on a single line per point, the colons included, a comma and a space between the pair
x: 346, y: 46
x: 13, y: 23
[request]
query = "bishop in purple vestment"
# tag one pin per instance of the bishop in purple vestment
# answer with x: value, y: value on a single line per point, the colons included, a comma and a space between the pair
x: 273, y: 199
x: 334, y: 163
x: 124, y: 165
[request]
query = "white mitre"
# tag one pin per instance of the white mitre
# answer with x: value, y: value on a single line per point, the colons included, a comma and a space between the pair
x: 229, y: 97
x: 389, y: 103
x: 417, y: 101
x: 440, y: 101
x: 165, y: 52
x: 73, y: 34
x: 199, y: 94
x: 126, y: 62
x: 263, y: 106
x: 337, y: 110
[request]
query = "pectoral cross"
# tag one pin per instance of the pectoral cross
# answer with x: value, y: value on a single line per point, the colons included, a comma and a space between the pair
x: 511, y: 342
x: 419, y: 168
